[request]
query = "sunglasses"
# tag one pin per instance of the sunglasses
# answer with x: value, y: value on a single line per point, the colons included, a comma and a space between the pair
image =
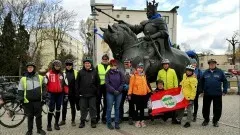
x: 68, y: 64
x: 104, y: 59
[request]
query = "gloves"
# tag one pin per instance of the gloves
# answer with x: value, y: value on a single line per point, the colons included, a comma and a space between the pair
x: 147, y: 38
x: 65, y: 98
x: 116, y: 92
x: 125, y: 87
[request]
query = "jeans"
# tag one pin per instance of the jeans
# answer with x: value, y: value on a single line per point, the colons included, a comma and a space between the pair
x: 113, y: 100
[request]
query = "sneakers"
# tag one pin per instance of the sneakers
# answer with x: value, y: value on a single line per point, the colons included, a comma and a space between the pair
x: 104, y: 121
x: 205, y: 123
x: 49, y: 128
x: 110, y: 126
x: 117, y: 126
x: 178, y: 122
x: 130, y: 121
x: 215, y: 124
x: 186, y: 125
x: 138, y: 124
x: 82, y: 124
x: 73, y: 123
x: 56, y: 127
x: 41, y: 132
x: 143, y: 125
x: 62, y: 123
x: 29, y: 133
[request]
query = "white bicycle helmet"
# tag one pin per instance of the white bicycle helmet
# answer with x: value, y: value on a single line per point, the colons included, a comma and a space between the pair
x: 165, y: 61
x: 190, y: 67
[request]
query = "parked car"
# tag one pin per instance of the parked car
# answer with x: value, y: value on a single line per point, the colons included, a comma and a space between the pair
x: 228, y: 74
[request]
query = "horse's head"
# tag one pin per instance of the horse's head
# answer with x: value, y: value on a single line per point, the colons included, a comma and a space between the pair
x: 117, y: 36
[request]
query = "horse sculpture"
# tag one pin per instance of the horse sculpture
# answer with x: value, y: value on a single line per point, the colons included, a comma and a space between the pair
x: 125, y: 44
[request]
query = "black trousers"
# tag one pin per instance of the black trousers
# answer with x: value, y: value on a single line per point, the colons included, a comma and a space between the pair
x: 88, y: 104
x: 34, y: 109
x: 74, y: 104
x: 195, y: 105
x: 102, y: 93
x: 131, y: 106
x: 217, y: 107
x: 140, y: 102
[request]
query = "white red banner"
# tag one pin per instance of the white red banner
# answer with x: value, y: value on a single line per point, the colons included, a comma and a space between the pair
x: 168, y: 100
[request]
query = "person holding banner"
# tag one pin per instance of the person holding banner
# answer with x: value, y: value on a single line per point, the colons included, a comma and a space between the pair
x: 169, y: 77
x: 189, y: 88
x: 138, y: 93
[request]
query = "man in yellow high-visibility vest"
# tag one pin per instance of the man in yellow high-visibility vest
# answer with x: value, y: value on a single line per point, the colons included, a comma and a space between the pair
x: 102, y: 69
x: 31, y: 92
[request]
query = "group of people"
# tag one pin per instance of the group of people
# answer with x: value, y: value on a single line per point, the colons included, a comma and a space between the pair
x: 87, y: 88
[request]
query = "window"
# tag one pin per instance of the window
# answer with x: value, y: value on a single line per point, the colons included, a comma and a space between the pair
x: 127, y: 16
x: 166, y: 19
x: 201, y: 64
x: 118, y: 16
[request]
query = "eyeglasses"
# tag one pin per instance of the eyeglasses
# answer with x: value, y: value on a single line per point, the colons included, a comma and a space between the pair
x: 104, y: 59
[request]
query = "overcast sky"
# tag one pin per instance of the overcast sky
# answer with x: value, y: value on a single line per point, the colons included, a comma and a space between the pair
x: 201, y: 23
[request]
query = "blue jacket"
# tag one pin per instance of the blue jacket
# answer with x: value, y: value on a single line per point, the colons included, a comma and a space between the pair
x: 198, y: 74
x: 211, y: 82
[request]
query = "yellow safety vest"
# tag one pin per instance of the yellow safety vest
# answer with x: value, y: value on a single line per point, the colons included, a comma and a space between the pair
x: 75, y: 73
x: 24, y: 81
x: 102, y: 72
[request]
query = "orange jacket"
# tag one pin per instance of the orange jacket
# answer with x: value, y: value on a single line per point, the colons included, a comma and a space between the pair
x: 138, y: 85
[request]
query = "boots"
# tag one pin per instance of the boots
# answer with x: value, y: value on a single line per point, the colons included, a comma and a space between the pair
x: 82, y: 124
x: 29, y: 133
x: 62, y: 123
x: 57, y: 116
x: 93, y: 124
x: 41, y: 132
x: 187, y: 124
x: 49, y: 126
x: 194, y: 118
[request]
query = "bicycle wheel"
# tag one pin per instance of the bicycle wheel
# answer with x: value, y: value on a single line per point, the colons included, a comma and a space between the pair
x: 2, y: 110
x: 12, y: 118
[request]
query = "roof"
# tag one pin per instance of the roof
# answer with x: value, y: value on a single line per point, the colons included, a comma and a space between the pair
x: 174, y: 9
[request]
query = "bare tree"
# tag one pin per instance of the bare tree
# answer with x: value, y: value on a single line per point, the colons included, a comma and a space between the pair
x: 2, y: 12
x: 38, y: 26
x: 60, y: 23
x: 234, y: 41
x: 87, y: 37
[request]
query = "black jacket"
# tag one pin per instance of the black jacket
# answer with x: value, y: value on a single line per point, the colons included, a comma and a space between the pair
x: 71, y: 82
x: 87, y: 82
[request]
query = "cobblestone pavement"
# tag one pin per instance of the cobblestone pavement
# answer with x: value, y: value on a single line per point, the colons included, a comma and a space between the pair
x: 229, y: 125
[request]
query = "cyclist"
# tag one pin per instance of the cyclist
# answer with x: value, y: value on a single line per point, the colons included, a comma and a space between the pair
x: 57, y: 87
x: 31, y: 92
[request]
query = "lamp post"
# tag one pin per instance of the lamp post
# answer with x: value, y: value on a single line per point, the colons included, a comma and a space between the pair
x: 94, y: 14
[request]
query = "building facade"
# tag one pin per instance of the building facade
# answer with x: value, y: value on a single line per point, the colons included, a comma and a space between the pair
x: 131, y: 17
x: 223, y: 62
x: 70, y: 45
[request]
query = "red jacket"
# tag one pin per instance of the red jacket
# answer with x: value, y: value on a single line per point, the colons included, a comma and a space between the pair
x: 56, y: 82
